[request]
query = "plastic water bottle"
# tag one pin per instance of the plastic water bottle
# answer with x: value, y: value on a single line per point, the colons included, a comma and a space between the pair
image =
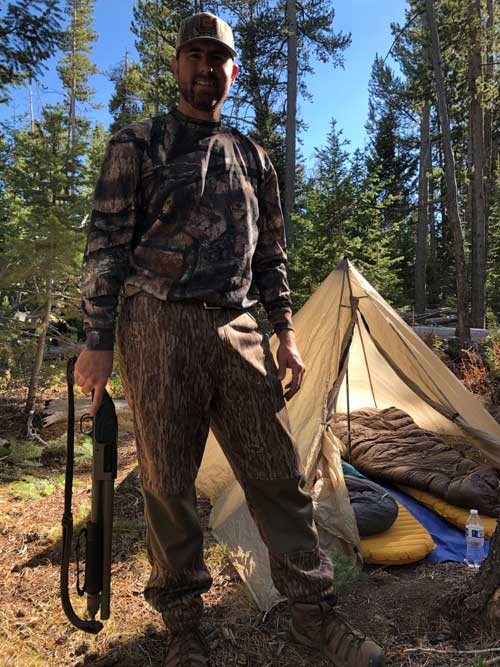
x: 474, y: 538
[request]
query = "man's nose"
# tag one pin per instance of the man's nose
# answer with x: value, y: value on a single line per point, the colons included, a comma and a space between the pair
x: 206, y: 65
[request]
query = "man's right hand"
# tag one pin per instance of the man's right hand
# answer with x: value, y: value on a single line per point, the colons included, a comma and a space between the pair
x: 92, y: 371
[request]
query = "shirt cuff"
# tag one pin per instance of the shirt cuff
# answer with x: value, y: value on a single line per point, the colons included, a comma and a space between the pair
x: 99, y: 339
x: 283, y: 326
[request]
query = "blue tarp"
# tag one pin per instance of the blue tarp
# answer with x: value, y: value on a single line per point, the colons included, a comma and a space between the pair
x: 449, y: 540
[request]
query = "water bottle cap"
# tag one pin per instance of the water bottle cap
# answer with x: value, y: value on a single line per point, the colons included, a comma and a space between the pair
x: 473, y: 511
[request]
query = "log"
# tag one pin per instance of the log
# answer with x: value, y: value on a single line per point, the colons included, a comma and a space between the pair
x: 421, y: 317
x: 448, y: 332
x: 56, y: 411
x: 440, y: 321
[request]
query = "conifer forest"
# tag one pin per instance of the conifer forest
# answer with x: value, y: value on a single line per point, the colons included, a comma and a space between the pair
x: 416, y: 210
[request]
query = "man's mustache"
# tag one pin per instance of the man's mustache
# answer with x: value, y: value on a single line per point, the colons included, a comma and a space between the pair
x: 211, y: 79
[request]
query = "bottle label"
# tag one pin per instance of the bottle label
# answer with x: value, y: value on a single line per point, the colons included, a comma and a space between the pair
x: 477, y: 533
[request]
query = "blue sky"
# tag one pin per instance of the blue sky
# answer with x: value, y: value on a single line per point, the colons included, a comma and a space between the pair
x: 337, y: 93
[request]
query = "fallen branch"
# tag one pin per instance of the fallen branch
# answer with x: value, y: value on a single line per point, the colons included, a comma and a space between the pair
x: 56, y: 412
x: 440, y: 650
x: 448, y: 332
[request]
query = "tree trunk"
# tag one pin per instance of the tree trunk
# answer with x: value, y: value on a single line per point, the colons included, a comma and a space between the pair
x: 463, y: 330
x: 423, y: 217
x: 72, y: 91
x: 489, y: 167
x: 432, y: 272
x: 477, y: 203
x: 32, y: 115
x: 40, y: 352
x: 478, y: 603
x: 157, y: 65
x: 291, y: 108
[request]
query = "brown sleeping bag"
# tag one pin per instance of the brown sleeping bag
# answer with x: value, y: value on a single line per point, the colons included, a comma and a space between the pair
x: 387, y: 445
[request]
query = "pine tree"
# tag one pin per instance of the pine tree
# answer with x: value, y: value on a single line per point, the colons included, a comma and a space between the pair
x: 493, y: 266
x: 340, y: 212
x: 47, y: 186
x: 463, y: 330
x: 155, y: 25
x: 41, y: 260
x: 258, y: 100
x: 29, y: 35
x: 75, y: 67
x: 126, y: 103
x: 392, y: 160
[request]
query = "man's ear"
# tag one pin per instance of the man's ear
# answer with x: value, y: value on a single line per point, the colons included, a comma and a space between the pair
x: 236, y: 69
x: 173, y: 65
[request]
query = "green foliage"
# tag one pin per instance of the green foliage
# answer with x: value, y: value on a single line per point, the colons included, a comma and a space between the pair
x: 438, y: 346
x: 134, y: 527
x: 492, y: 352
x: 155, y: 26
x: 258, y: 100
x: 393, y: 164
x: 80, y: 516
x: 21, y: 453
x: 128, y: 486
x: 493, y: 272
x: 75, y: 67
x: 28, y: 454
x: 33, y: 488
x: 29, y: 35
x: 115, y: 385
x: 45, y: 190
x: 340, y: 212
x: 347, y: 573
x: 126, y: 104
x: 83, y: 447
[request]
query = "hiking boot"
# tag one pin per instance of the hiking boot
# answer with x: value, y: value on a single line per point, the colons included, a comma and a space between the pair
x: 186, y: 648
x: 319, y: 626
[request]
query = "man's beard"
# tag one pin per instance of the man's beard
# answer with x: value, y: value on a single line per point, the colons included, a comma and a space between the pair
x: 203, y: 98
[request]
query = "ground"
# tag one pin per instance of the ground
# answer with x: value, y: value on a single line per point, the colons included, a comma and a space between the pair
x: 395, y: 606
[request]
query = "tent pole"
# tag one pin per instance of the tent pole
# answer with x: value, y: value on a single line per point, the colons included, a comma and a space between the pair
x: 349, y: 450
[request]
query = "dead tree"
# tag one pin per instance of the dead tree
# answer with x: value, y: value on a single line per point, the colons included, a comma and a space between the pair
x: 291, y: 112
x: 476, y: 140
x: 463, y: 331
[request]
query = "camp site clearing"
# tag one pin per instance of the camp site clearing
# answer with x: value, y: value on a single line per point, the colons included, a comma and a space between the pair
x: 359, y: 355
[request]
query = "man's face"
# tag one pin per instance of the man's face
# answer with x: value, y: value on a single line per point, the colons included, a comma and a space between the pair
x: 204, y: 71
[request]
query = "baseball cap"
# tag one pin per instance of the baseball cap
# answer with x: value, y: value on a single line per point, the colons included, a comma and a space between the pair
x: 205, y: 26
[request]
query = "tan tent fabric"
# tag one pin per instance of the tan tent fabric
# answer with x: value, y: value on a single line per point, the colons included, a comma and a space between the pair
x: 386, y: 364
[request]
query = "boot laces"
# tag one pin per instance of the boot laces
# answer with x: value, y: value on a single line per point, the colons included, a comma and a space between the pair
x: 189, y: 642
x: 349, y: 636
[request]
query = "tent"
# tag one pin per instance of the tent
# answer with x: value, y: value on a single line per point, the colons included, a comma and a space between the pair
x: 348, y: 336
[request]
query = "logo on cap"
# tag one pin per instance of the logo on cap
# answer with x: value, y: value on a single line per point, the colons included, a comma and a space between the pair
x: 208, y: 25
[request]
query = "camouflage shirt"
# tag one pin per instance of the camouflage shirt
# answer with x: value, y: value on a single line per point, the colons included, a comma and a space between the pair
x: 184, y: 210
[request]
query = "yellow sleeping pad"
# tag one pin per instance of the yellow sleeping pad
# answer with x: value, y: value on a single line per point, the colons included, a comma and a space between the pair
x: 406, y: 541
x: 455, y: 515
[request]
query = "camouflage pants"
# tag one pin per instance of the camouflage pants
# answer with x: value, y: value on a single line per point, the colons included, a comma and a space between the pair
x: 184, y: 368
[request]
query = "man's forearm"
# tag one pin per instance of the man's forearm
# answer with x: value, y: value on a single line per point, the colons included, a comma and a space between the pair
x: 111, y: 229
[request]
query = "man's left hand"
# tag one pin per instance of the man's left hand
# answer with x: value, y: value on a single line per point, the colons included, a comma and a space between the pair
x: 288, y: 357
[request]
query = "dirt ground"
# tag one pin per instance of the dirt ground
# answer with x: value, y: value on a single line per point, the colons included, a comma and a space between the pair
x: 393, y: 605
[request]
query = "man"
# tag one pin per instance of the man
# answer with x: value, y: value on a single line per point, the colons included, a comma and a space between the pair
x: 187, y: 220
